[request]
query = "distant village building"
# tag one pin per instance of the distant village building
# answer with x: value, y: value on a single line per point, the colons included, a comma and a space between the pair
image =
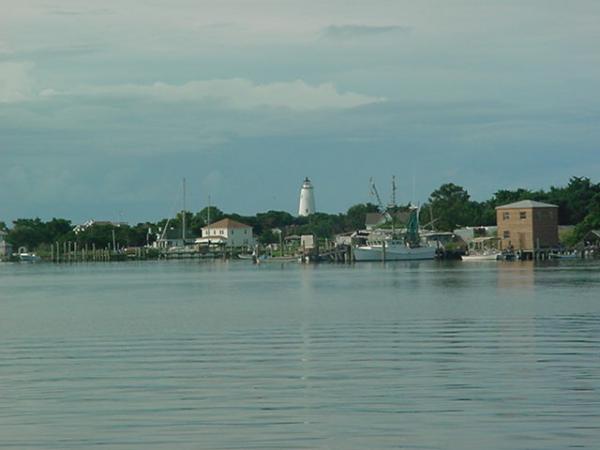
x: 527, y: 226
x: 5, y: 247
x: 592, y: 238
x: 307, y: 199
x: 228, y: 232
x: 173, y: 237
x: 308, y: 241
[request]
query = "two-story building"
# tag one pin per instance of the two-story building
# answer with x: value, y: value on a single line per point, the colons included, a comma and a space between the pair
x: 228, y: 232
x: 527, y: 226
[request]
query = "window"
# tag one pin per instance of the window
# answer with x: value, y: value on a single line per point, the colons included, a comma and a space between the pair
x: 505, y: 215
x: 506, y: 234
x: 522, y: 215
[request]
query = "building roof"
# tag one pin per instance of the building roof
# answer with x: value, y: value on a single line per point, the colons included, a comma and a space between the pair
x: 228, y: 223
x: 526, y: 204
x: 592, y: 234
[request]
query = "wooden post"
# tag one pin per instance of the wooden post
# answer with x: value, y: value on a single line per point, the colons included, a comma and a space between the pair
x: 383, y: 250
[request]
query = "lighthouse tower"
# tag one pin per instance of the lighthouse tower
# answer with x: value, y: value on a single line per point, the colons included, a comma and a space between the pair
x: 307, y: 199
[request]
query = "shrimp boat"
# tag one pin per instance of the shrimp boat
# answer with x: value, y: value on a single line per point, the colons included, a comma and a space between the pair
x: 392, y: 250
x: 391, y: 247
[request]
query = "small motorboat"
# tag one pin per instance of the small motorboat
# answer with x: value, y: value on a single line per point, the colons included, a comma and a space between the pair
x: 563, y: 256
x: 486, y: 256
x: 29, y: 257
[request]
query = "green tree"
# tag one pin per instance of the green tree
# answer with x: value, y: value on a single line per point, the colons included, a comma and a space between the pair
x: 591, y: 220
x: 215, y: 214
x: 574, y: 200
x: 357, y: 214
x: 451, y: 207
x: 28, y: 233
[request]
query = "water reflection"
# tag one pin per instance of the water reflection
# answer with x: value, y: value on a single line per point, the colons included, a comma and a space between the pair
x: 425, y: 355
x: 516, y: 275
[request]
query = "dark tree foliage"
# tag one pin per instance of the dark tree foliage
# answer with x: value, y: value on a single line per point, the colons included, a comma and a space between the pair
x: 357, y: 214
x: 451, y: 207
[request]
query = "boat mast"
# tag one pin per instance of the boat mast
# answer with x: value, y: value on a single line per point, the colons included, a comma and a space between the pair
x: 208, y: 216
x: 183, y: 216
x: 393, y: 205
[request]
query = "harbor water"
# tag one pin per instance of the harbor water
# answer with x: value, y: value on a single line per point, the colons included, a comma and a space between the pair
x: 228, y: 355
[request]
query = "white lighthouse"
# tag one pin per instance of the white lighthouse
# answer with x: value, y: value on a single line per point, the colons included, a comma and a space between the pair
x: 307, y: 199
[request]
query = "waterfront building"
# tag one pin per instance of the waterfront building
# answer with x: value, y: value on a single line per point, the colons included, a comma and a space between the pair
x: 307, y: 199
x: 308, y: 241
x: 228, y: 232
x: 527, y: 226
x: 5, y: 247
x: 173, y: 237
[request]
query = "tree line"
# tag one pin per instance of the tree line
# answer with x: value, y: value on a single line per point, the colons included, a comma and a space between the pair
x: 448, y: 207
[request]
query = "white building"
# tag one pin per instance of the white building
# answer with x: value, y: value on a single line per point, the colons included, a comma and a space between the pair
x: 307, y: 199
x: 228, y: 232
x: 5, y: 247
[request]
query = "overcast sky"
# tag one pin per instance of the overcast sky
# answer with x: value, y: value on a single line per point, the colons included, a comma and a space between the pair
x: 106, y: 105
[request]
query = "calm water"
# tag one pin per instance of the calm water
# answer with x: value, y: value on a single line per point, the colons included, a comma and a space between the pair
x: 233, y: 356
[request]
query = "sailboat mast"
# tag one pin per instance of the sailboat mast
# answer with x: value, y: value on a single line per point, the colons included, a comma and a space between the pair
x: 183, y: 215
x: 208, y: 216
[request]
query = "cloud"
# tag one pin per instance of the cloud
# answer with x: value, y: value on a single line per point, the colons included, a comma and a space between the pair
x: 52, y: 51
x: 235, y: 93
x: 80, y: 12
x: 343, y: 32
x: 16, y: 83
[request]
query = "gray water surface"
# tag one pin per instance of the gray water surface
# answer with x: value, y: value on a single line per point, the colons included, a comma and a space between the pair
x: 227, y: 355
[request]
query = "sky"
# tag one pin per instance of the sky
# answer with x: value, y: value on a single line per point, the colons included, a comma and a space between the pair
x: 106, y: 105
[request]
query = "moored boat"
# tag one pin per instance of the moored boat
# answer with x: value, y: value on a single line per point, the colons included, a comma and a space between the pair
x: 28, y: 257
x: 491, y: 256
x: 406, y: 246
x: 393, y: 250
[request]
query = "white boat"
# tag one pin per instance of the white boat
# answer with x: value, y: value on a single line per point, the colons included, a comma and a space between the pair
x: 492, y: 256
x: 395, y: 250
x: 564, y: 256
x: 28, y: 257
x: 388, y: 246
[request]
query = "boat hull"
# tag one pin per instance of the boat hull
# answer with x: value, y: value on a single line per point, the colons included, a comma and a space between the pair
x: 491, y: 257
x: 368, y: 253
